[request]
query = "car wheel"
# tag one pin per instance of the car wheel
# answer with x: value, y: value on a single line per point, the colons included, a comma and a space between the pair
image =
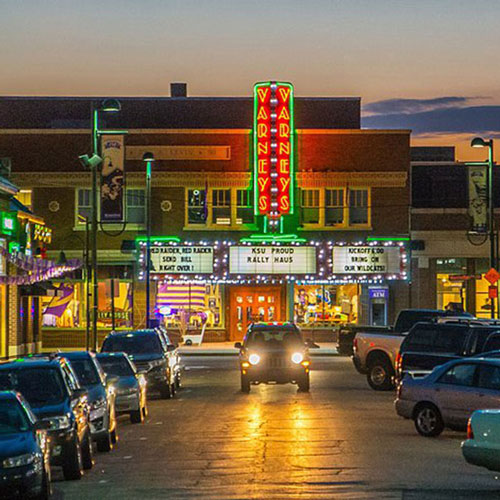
x: 428, y: 420
x: 104, y: 443
x: 87, y: 453
x: 303, y: 383
x: 137, y: 416
x: 245, y: 384
x: 165, y: 391
x: 379, y: 375
x: 73, y: 466
x: 188, y: 342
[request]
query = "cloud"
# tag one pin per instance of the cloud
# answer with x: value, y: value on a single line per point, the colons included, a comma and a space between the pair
x: 458, y: 119
x: 388, y: 106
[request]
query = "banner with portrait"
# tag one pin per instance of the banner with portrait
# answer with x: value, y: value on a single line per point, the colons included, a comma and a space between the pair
x: 478, y: 197
x: 112, y: 178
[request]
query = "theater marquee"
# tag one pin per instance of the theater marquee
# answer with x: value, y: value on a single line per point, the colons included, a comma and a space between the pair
x: 368, y: 260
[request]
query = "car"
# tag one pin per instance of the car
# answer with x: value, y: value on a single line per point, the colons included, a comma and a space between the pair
x: 274, y: 353
x: 482, y: 447
x: 151, y: 356
x: 449, y: 394
x: 51, y: 388
x: 174, y: 356
x: 101, y: 397
x: 24, y: 450
x: 130, y: 386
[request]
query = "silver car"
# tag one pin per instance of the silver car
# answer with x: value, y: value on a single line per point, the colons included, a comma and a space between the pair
x: 449, y: 394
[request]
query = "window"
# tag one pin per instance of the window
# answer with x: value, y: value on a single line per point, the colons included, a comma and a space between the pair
x: 449, y: 340
x: 334, y: 207
x: 489, y: 377
x: 244, y: 208
x: 25, y: 197
x: 310, y: 206
x: 462, y: 374
x: 136, y: 206
x: 84, y: 205
x: 421, y: 339
x: 358, y: 206
x: 221, y: 206
x: 197, y: 213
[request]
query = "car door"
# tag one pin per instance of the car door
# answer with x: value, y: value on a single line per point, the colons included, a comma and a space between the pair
x: 455, y: 393
x: 488, y: 387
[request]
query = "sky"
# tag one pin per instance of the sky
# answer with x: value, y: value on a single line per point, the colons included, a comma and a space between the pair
x: 429, y: 65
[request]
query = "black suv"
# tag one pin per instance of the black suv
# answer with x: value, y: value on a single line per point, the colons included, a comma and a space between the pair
x: 151, y: 356
x: 431, y: 344
x: 52, y: 390
x: 274, y: 352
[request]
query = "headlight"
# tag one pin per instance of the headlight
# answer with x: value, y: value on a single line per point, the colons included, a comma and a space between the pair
x: 254, y: 359
x: 98, y: 403
x: 297, y: 357
x: 58, y: 423
x: 20, y: 460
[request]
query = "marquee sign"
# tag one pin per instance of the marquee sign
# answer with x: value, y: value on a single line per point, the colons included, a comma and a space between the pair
x: 182, y: 259
x: 273, y: 150
x: 368, y: 260
x: 272, y: 260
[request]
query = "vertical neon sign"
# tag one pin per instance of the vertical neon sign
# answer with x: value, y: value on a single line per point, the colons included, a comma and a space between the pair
x: 273, y: 151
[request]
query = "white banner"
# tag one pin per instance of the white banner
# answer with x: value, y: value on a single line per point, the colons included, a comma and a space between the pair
x: 272, y: 260
x: 179, y: 260
x: 366, y: 260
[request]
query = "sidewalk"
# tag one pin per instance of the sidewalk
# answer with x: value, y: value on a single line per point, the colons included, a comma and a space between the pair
x: 228, y: 349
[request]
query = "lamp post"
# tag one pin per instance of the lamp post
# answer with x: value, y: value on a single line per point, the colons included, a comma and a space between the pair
x: 148, y: 158
x: 479, y: 142
x: 109, y: 105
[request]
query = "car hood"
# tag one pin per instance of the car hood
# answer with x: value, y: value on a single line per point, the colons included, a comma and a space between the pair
x: 126, y: 383
x: 49, y: 410
x: 95, y: 392
x: 13, y: 445
x: 145, y: 357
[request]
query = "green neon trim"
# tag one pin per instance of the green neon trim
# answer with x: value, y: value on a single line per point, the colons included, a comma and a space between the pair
x: 403, y: 238
x: 255, y: 162
x: 278, y: 238
x: 175, y: 239
x: 477, y: 163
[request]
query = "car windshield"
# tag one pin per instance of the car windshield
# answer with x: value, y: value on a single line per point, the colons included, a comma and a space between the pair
x: 85, y: 371
x: 40, y: 386
x: 274, y: 337
x: 12, y: 417
x: 118, y: 366
x: 133, y: 344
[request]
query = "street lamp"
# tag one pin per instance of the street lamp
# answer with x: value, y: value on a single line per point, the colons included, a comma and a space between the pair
x: 108, y: 105
x: 479, y: 142
x: 148, y: 158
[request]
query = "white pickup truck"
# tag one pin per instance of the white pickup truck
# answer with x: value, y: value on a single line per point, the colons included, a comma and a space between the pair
x: 375, y: 352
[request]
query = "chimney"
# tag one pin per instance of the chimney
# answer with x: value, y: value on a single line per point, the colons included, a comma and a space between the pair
x: 178, y: 89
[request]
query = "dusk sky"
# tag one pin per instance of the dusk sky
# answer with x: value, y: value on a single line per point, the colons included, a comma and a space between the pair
x: 432, y: 66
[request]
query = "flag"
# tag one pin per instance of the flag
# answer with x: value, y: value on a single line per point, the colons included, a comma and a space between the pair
x: 182, y: 296
x: 58, y: 305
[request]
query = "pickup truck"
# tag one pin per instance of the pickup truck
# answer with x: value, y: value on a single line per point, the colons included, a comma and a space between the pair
x: 374, y: 354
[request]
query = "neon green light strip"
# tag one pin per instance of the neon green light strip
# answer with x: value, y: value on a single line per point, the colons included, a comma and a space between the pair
x: 175, y: 239
x: 396, y: 238
x: 279, y: 238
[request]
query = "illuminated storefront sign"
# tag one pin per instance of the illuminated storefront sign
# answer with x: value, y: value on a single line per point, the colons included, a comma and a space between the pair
x: 8, y: 223
x: 182, y: 259
x: 369, y: 260
x: 42, y: 233
x: 272, y: 260
x: 273, y: 150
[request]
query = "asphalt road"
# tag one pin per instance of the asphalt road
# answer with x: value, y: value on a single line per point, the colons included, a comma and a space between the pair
x: 342, y: 440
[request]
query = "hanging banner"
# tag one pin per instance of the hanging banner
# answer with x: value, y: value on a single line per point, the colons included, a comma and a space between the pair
x: 478, y: 198
x: 112, y: 178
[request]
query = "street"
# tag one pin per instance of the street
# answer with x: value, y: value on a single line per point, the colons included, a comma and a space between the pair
x: 342, y: 440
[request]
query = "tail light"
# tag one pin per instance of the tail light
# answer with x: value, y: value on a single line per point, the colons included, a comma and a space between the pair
x: 470, y: 432
x: 397, y: 363
x: 355, y: 343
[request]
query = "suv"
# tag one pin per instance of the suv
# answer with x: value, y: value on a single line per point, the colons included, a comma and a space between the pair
x: 55, y: 396
x: 431, y: 344
x: 150, y: 354
x: 274, y: 352
x: 101, y: 397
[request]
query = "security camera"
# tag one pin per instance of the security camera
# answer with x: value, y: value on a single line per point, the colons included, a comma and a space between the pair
x: 93, y: 162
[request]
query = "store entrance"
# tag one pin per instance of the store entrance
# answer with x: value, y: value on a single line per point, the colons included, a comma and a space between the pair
x: 249, y: 304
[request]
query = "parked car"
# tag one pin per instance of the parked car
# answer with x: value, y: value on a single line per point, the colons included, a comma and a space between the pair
x: 55, y: 396
x: 374, y: 353
x: 175, y: 359
x: 345, y: 333
x: 130, y: 386
x: 150, y: 354
x: 431, y: 344
x: 274, y: 352
x: 101, y: 397
x: 482, y: 446
x: 24, y: 450
x: 449, y: 394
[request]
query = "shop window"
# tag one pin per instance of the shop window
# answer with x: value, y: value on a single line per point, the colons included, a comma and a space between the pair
x: 84, y: 205
x: 123, y: 305
x: 310, y: 206
x: 450, y: 294
x: 244, y: 208
x: 25, y: 196
x: 221, y: 206
x: 196, y: 210
x: 334, y: 207
x: 358, y: 206
x: 136, y: 206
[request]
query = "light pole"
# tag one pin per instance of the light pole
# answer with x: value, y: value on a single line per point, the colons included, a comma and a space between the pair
x: 109, y: 105
x: 148, y: 158
x: 479, y: 142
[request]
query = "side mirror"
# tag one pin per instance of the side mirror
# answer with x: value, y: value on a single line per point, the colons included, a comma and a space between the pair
x: 238, y: 345
x: 41, y: 425
x: 78, y: 393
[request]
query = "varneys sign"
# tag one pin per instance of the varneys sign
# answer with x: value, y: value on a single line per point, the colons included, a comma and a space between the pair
x: 367, y: 260
x: 182, y: 259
